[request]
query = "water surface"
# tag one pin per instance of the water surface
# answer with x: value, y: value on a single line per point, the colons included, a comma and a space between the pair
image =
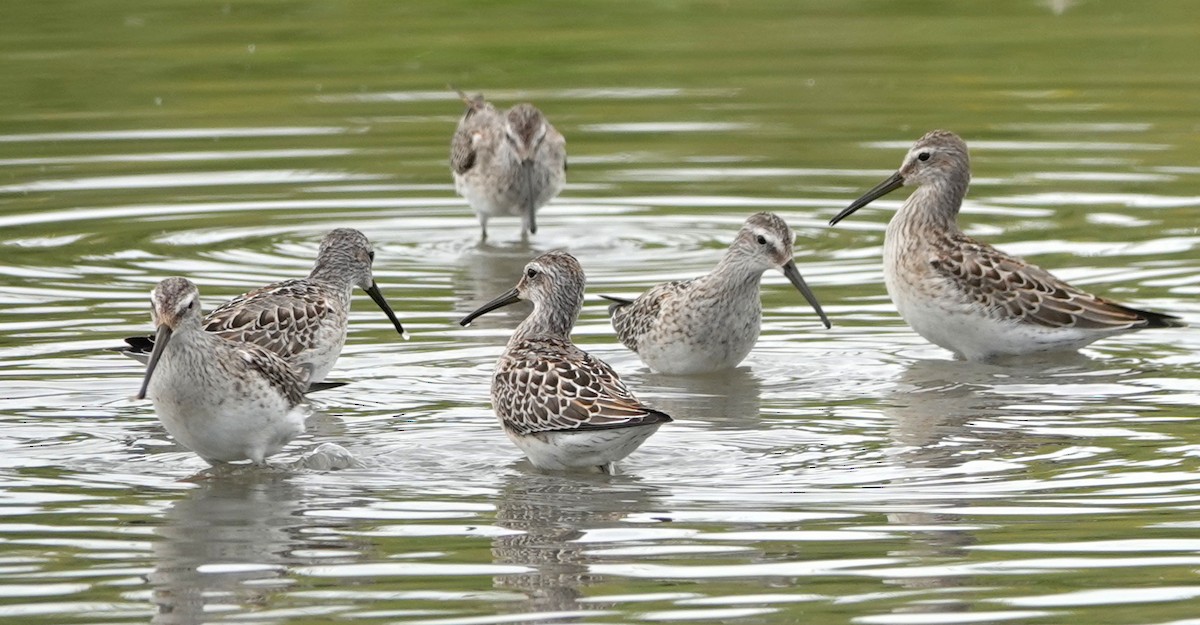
x: 857, y: 474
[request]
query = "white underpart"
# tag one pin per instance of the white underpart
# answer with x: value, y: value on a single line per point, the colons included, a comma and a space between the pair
x: 207, y: 410
x: 560, y: 451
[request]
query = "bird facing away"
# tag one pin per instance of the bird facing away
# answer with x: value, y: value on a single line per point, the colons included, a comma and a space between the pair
x: 712, y: 322
x: 224, y: 400
x: 965, y: 295
x: 304, y: 321
x: 507, y: 164
x: 562, y: 407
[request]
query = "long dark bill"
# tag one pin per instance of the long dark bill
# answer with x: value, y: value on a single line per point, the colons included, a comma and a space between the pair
x: 532, y: 219
x: 895, y: 181
x: 530, y: 210
x: 509, y: 297
x: 793, y: 276
x: 160, y: 343
x: 377, y: 297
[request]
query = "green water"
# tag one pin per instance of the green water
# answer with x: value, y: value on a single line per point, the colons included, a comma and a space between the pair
x: 857, y: 475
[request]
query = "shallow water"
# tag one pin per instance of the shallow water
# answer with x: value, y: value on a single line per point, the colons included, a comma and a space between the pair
x: 850, y: 475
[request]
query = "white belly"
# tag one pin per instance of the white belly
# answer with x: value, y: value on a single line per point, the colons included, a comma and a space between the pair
x: 581, y: 450
x: 702, y: 335
x: 695, y: 354
x: 222, y: 420
x: 968, y: 330
x: 323, y: 355
x: 485, y: 199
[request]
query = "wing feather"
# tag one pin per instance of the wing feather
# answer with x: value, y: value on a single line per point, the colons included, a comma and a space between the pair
x: 462, y: 150
x: 547, y: 385
x: 479, y: 120
x: 290, y: 380
x: 633, y: 319
x: 1014, y: 289
x: 282, y: 317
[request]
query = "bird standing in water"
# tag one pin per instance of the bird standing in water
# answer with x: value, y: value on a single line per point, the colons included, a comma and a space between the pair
x: 304, y: 321
x: 712, y: 322
x: 564, y: 408
x: 224, y: 400
x: 967, y: 296
x: 508, y: 164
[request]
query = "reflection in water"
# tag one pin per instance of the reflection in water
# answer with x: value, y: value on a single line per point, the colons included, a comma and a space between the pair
x: 931, y: 406
x: 233, y: 530
x: 553, y: 512
x: 726, y: 399
x: 487, y: 270
x: 935, y: 401
x: 935, y: 408
x: 321, y: 426
x: 932, y: 402
x: 1086, y: 179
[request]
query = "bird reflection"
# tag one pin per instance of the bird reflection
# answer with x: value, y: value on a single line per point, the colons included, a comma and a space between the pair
x: 240, y: 527
x: 726, y: 399
x: 935, y: 401
x: 553, y: 512
x: 485, y: 271
x: 934, y: 409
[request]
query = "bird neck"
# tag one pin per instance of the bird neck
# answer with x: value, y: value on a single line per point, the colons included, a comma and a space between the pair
x: 333, y: 280
x: 188, y: 337
x: 931, y: 209
x: 548, y: 321
x: 737, y: 271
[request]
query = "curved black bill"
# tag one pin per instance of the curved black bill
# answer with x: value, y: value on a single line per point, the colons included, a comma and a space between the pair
x: 377, y: 297
x: 160, y: 343
x: 895, y: 181
x: 793, y: 276
x: 509, y: 297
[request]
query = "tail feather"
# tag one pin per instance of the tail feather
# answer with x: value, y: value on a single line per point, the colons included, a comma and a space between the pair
x: 323, y: 386
x: 1158, y: 320
x: 138, y: 344
x: 617, y: 302
x: 136, y: 347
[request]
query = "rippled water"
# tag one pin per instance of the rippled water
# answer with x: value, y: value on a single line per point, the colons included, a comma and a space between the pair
x: 850, y: 475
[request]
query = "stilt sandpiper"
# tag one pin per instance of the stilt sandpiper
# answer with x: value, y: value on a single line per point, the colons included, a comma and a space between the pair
x: 224, y: 400
x: 507, y: 165
x: 564, y: 408
x: 712, y: 322
x: 304, y: 321
x: 965, y: 295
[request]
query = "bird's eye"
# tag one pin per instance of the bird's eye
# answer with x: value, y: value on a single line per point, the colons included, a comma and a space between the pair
x: 923, y: 156
x: 762, y: 240
x: 371, y: 255
x: 531, y: 273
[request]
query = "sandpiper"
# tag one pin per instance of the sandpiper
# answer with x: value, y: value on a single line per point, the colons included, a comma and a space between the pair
x: 965, y: 295
x: 507, y: 165
x: 225, y: 400
x: 712, y: 322
x: 304, y: 321
x: 564, y: 408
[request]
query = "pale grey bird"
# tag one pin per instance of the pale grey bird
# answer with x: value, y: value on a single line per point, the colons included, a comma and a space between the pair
x: 224, y: 400
x: 508, y: 164
x: 564, y: 408
x: 967, y: 296
x: 305, y: 321
x: 712, y: 322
